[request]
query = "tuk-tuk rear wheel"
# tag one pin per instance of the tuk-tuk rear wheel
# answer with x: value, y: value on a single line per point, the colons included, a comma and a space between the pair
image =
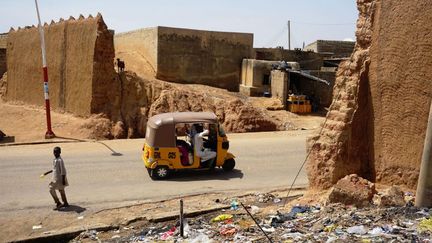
x: 228, y: 165
x: 160, y: 172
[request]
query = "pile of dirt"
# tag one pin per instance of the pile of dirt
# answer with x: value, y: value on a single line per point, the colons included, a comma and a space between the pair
x: 143, y: 98
x: 377, y: 122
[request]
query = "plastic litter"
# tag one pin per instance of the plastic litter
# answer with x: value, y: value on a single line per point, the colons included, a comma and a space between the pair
x: 222, y: 217
x: 228, y: 231
x: 269, y: 230
x: 37, y: 227
x: 277, y: 200
x: 254, y: 209
x: 200, y: 238
x: 330, y: 228
x: 425, y: 225
x: 169, y: 233
x: 377, y: 231
x: 80, y: 217
x: 358, y: 229
x: 234, y: 205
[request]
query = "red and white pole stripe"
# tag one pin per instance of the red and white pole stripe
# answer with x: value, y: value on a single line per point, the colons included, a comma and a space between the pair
x: 49, y: 133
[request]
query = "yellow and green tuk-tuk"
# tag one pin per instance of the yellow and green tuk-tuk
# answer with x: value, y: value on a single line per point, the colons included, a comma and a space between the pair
x: 178, y: 141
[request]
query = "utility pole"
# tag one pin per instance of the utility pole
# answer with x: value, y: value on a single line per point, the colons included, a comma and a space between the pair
x: 289, y: 35
x: 49, y: 133
x: 424, y: 184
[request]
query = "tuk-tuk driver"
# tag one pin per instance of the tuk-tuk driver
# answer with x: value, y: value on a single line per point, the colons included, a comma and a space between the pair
x: 204, y: 153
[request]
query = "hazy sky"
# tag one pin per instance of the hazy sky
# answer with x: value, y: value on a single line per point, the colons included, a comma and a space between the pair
x: 267, y: 20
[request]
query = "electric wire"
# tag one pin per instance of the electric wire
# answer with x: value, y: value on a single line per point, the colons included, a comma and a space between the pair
x: 310, y: 150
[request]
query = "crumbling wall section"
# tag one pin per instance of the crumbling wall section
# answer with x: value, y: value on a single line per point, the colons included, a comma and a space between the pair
x: 71, y: 60
x: 332, y: 155
x: 377, y: 122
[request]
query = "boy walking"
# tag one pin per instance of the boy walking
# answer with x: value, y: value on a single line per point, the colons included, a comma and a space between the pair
x: 59, y: 180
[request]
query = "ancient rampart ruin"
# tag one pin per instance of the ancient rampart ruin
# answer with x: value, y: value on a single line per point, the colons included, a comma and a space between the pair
x: 186, y: 55
x: 377, y: 122
x: 80, y: 57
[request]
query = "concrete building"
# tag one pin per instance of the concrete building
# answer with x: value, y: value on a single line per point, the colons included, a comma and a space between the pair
x: 332, y: 48
x: 187, y: 56
x: 3, y: 59
x: 255, y: 76
x: 307, y: 60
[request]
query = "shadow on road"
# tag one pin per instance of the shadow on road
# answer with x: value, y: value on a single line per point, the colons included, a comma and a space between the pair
x: 114, y: 153
x: 73, y: 208
x: 204, y: 175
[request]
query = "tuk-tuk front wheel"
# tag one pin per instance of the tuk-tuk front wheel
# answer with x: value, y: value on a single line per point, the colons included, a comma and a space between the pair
x: 228, y: 165
x: 160, y: 172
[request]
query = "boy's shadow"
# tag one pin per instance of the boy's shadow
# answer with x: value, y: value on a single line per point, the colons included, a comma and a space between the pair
x: 72, y: 208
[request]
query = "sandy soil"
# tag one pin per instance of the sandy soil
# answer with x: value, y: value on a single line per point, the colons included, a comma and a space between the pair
x: 28, y: 123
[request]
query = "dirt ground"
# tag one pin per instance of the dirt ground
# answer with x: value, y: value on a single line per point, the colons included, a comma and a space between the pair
x: 28, y: 123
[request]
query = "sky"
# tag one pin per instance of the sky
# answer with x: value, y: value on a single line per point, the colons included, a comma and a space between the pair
x: 266, y: 19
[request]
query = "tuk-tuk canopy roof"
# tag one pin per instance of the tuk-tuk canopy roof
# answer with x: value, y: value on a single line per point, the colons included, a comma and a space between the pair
x: 161, y: 128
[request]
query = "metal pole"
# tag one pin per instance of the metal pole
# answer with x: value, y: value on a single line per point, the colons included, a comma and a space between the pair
x: 289, y: 35
x: 424, y: 184
x: 181, y: 219
x: 49, y: 133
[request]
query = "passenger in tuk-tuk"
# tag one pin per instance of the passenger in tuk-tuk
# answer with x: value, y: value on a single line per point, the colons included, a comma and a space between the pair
x: 183, y: 146
x: 204, y: 153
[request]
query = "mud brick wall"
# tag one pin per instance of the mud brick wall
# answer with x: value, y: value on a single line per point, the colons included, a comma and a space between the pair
x: 337, y: 48
x: 185, y: 55
x: 377, y: 122
x: 3, y: 65
x: 80, y: 65
x: 202, y: 57
x: 138, y: 49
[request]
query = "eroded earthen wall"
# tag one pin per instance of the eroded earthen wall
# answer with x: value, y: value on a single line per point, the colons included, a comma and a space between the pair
x: 138, y: 49
x: 3, y: 65
x: 72, y: 60
x: 202, y: 57
x: 377, y: 122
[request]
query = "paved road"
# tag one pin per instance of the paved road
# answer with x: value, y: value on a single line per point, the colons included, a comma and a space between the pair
x: 264, y: 160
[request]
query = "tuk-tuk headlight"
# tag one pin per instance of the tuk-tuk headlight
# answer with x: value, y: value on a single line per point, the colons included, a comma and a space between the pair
x: 151, y: 160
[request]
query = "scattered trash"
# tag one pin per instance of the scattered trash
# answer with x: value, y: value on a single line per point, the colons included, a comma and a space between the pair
x: 277, y: 200
x: 377, y: 231
x: 222, y: 217
x: 254, y: 209
x: 234, y: 205
x: 301, y: 223
x: 228, y: 231
x: 80, y: 217
x: 200, y: 238
x: 425, y: 225
x: 358, y: 230
x: 269, y: 230
x: 169, y: 233
x: 37, y: 227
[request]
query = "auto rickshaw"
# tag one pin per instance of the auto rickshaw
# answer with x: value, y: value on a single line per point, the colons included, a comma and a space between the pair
x: 165, y: 151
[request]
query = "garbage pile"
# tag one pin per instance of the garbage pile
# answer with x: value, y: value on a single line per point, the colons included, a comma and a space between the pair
x: 302, y: 223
